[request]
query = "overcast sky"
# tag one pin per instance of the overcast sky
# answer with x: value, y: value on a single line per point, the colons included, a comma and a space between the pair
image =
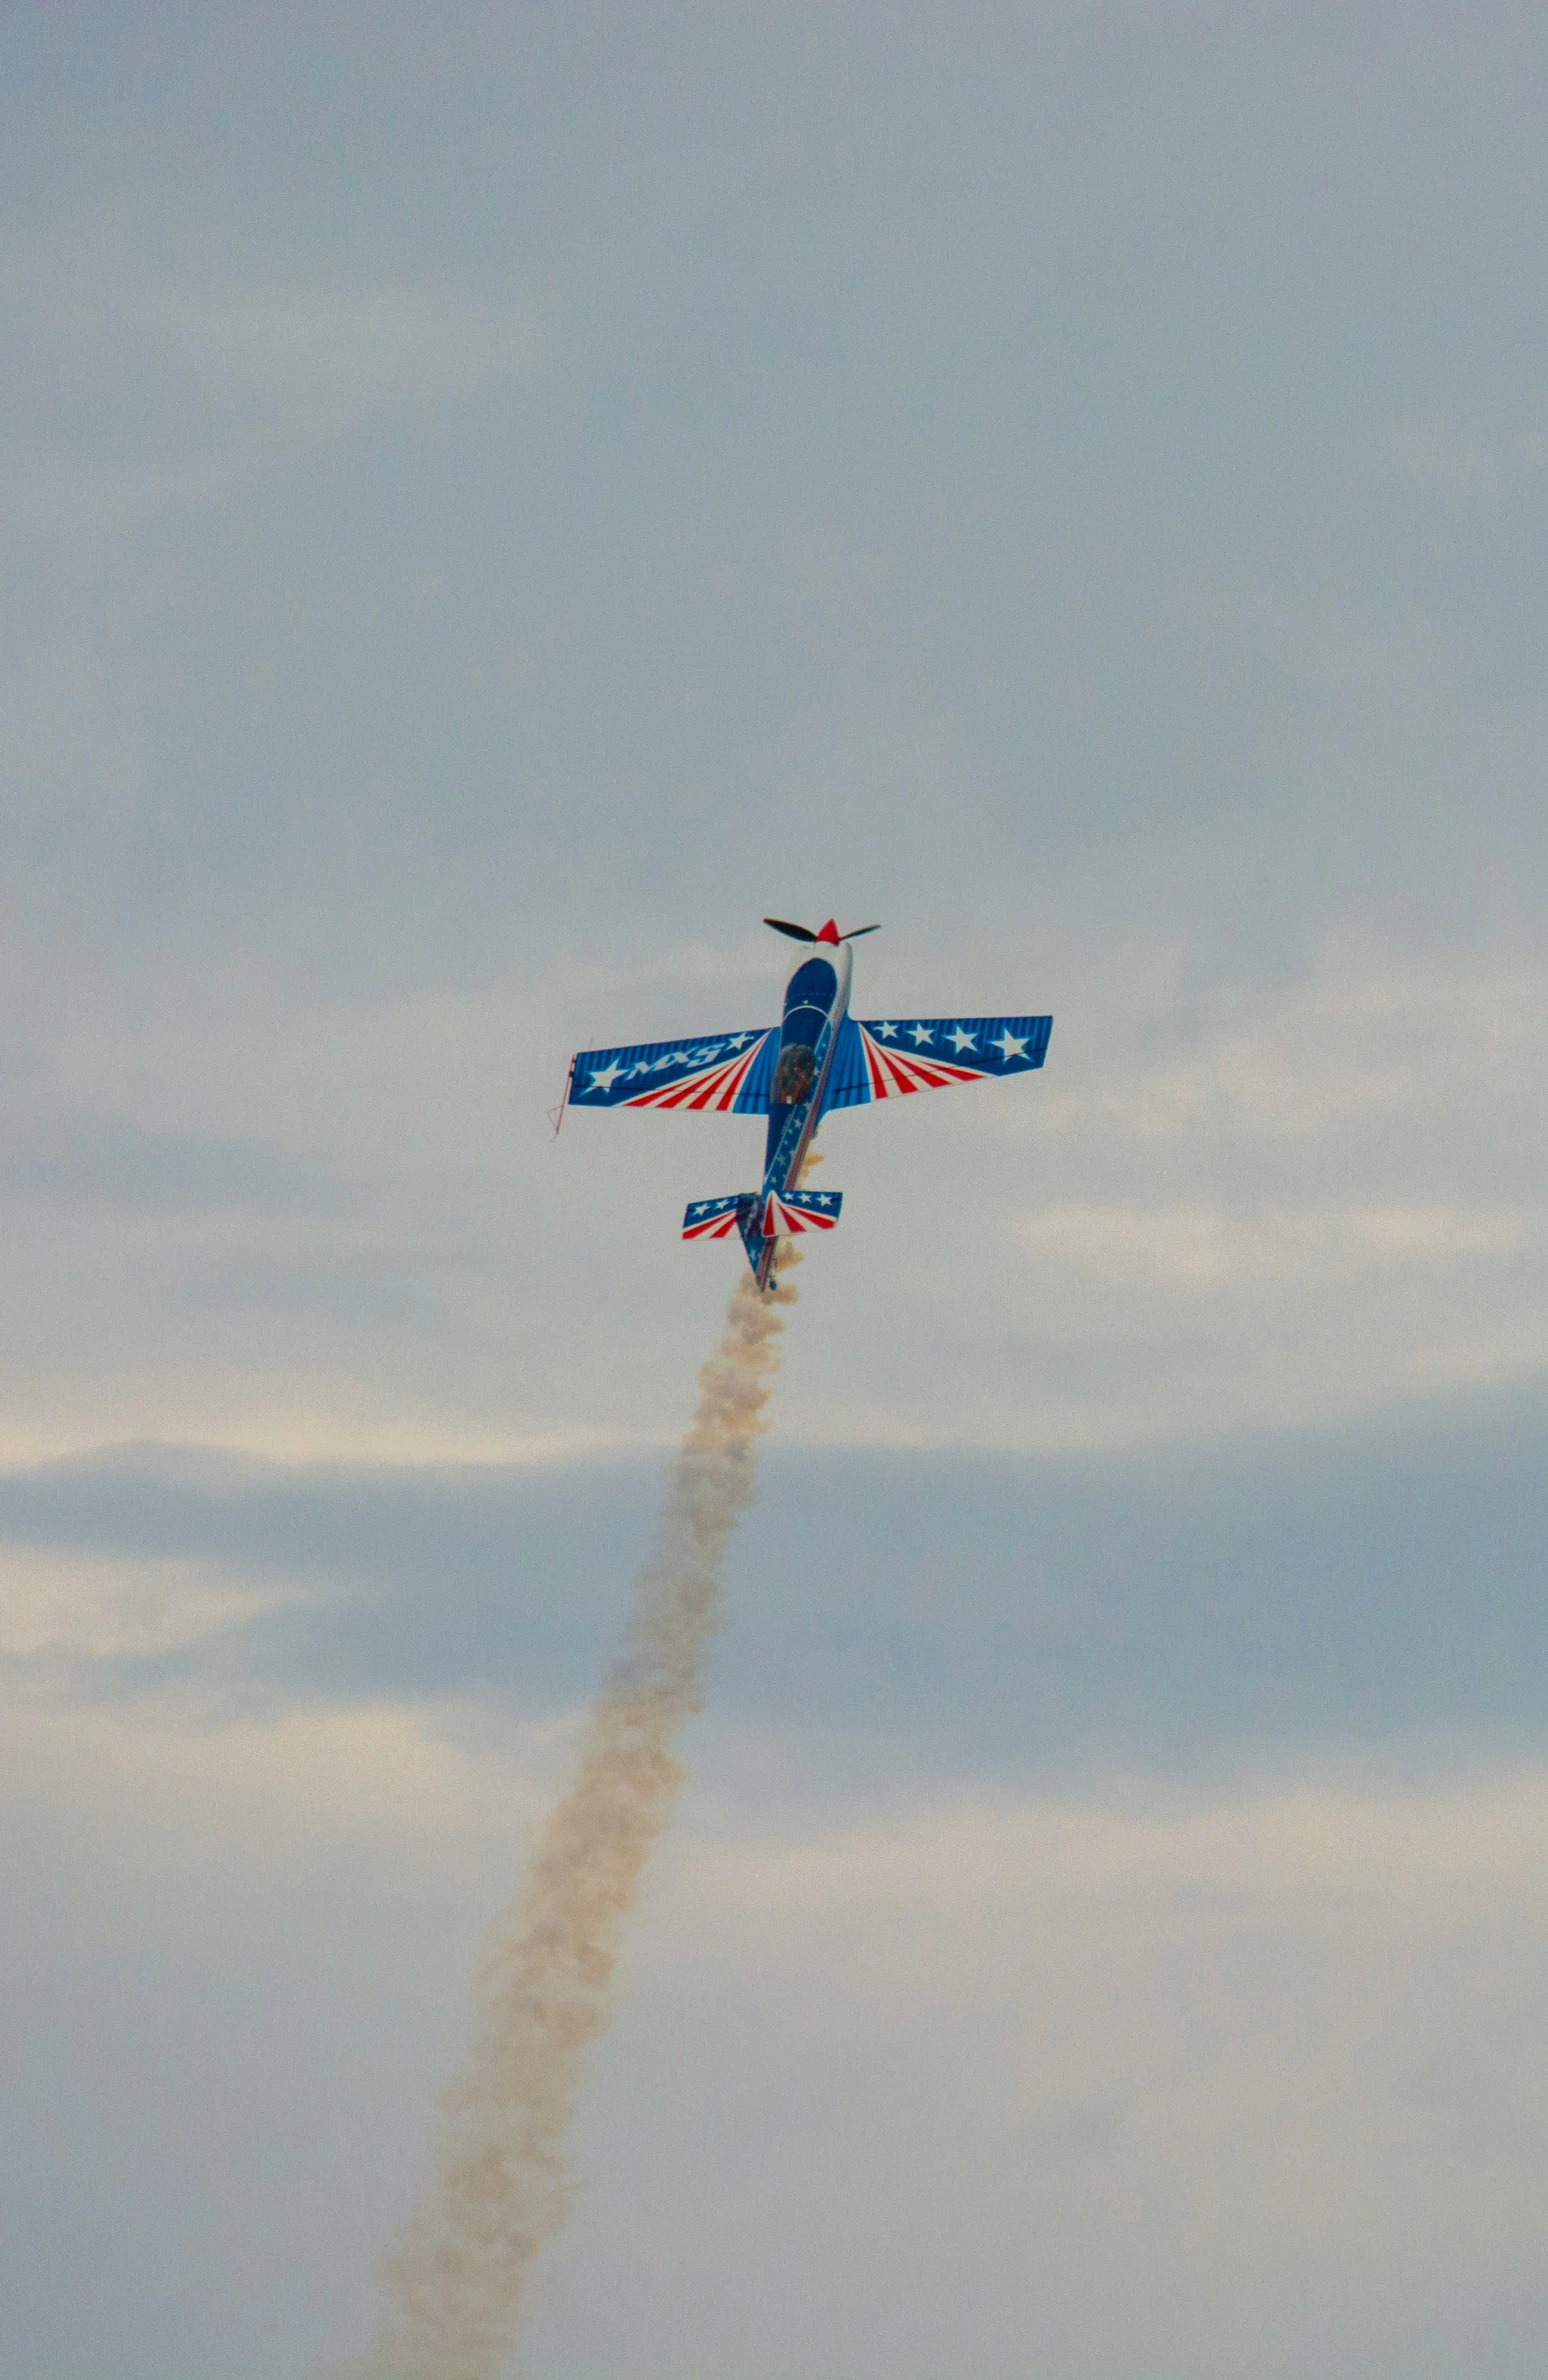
x: 495, y: 500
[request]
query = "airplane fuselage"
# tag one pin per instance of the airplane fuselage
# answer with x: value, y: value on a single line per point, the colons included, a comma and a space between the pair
x: 816, y: 1004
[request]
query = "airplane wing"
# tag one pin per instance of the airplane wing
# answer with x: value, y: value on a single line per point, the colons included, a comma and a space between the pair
x: 894, y: 1055
x: 729, y: 1072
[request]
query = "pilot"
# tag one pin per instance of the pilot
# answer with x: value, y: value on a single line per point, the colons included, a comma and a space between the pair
x: 794, y: 1075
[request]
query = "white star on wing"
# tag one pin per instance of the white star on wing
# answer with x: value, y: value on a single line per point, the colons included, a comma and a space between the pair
x: 921, y: 1034
x: 736, y: 1041
x: 887, y: 1032
x: 962, y: 1041
x: 605, y: 1077
x: 1008, y: 1046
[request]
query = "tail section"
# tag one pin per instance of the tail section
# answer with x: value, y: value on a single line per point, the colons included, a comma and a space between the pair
x: 717, y: 1218
x: 802, y: 1210
x: 761, y: 1218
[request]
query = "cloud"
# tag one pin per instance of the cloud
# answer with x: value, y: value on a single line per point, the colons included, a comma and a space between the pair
x: 1228, y: 2084
x: 62, y: 1612
x: 1204, y: 1248
x: 1260, y: 1205
x: 341, y: 347
x: 1367, y: 1593
x: 1263, y: 1205
x: 1474, y: 459
x: 215, y: 1962
x: 321, y: 350
x: 1117, y: 2071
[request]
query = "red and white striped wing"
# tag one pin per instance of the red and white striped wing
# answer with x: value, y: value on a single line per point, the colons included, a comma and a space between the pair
x: 712, y: 1087
x: 894, y: 1072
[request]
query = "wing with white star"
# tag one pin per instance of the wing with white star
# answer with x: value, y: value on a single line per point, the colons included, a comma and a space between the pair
x: 894, y: 1055
x: 729, y: 1072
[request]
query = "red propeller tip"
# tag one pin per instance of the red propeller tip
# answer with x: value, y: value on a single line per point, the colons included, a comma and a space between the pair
x: 829, y: 932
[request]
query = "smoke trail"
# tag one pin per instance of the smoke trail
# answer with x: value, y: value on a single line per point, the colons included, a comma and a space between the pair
x: 459, y: 2272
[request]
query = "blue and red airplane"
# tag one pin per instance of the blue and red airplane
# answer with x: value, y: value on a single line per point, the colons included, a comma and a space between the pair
x: 818, y: 1058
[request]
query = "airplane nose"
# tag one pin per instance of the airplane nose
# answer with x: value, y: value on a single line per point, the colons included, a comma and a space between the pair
x: 830, y: 932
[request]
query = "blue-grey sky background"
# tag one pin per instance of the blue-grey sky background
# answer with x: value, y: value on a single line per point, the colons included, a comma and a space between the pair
x: 494, y: 501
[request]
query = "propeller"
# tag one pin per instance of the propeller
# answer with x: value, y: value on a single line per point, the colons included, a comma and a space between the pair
x: 805, y: 934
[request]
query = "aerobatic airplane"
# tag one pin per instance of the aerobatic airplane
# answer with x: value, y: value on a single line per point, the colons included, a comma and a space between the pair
x: 795, y: 1073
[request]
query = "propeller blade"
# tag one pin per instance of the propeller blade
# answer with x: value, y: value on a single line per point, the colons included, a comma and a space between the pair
x: 855, y: 933
x: 796, y: 933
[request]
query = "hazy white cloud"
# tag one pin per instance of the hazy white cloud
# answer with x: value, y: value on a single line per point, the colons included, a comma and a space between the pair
x: 1212, y: 1247
x: 71, y: 502
x: 58, y: 1611
x: 1102, y: 2077
x: 324, y: 349
x: 1474, y: 461
x: 1367, y: 1037
x: 1091, y: 2087
x: 341, y: 346
x: 1308, y: 1200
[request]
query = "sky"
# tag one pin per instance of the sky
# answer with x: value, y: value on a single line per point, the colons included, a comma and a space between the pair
x: 494, y: 502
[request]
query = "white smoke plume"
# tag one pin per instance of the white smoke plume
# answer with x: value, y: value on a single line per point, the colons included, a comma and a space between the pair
x: 458, y: 2275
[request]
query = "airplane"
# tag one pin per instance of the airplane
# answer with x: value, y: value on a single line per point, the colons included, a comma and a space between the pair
x: 816, y: 1059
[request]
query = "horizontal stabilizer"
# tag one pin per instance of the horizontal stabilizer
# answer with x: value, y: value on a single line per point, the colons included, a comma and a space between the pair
x: 760, y: 1217
x: 803, y: 1210
x: 717, y: 1218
